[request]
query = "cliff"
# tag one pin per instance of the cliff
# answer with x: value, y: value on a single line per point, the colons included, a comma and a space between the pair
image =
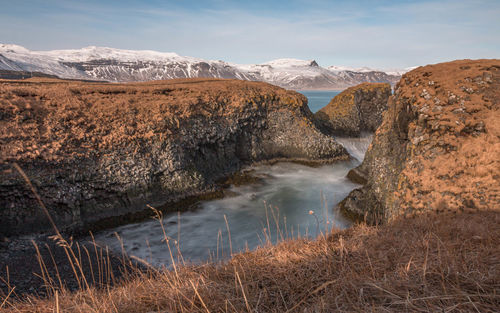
x: 438, y: 146
x: 355, y: 110
x: 95, y: 151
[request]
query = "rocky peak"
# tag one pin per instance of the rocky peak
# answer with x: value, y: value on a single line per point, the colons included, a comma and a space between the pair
x: 313, y: 63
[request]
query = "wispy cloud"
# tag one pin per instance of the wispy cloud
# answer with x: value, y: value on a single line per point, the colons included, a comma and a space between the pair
x: 382, y: 33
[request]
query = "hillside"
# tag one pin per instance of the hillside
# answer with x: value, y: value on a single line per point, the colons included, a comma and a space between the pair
x: 115, y: 65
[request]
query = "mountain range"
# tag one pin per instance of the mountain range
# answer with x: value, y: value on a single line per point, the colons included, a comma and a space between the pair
x: 116, y: 65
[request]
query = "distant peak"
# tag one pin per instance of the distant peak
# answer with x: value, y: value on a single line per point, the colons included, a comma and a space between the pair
x: 291, y: 63
x: 13, y: 48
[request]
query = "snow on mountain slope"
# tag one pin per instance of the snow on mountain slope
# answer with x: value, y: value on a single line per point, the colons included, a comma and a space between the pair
x: 17, y: 58
x: 113, y: 64
x: 301, y: 74
x: 116, y: 65
x: 290, y: 73
x: 396, y: 72
x: 335, y: 68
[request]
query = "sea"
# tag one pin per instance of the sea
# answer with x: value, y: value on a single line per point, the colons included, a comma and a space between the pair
x: 318, y: 98
x: 290, y: 201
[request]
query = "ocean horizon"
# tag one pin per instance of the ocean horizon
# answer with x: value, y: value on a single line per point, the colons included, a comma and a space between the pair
x: 317, y: 99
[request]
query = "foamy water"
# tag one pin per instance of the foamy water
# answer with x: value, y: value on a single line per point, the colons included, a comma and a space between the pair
x: 276, y: 207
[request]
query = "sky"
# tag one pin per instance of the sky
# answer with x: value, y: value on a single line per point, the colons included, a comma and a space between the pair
x: 380, y: 34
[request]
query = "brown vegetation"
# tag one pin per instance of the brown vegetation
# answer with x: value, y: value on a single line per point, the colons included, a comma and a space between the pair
x: 98, y: 151
x: 355, y: 109
x: 54, y: 119
x: 446, y: 263
x: 455, y: 137
x: 440, y: 133
x: 438, y: 146
x: 341, y: 104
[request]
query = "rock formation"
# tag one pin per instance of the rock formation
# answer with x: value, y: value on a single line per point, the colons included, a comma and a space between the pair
x: 95, y: 151
x: 356, y: 109
x: 438, y: 148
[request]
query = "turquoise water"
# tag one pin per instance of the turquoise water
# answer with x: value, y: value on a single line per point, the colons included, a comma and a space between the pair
x: 318, y: 98
x: 276, y: 207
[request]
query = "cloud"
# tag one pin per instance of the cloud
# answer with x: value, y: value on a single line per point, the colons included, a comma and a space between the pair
x: 355, y: 33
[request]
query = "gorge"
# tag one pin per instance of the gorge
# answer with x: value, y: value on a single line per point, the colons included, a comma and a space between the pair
x: 98, y: 152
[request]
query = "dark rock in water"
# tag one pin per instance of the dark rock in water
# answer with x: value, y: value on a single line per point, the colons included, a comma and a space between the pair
x: 357, y: 176
x: 355, y: 110
x: 438, y: 146
x: 98, y: 152
x: 20, y: 264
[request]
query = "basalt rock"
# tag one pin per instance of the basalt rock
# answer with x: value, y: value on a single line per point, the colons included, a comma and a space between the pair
x: 355, y: 110
x: 438, y: 146
x: 97, y: 151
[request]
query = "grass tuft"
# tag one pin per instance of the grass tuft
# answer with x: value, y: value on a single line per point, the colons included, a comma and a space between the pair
x: 445, y: 263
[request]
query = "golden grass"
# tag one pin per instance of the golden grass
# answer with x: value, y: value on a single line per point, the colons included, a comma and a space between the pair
x: 56, y: 120
x: 344, y: 104
x: 430, y: 263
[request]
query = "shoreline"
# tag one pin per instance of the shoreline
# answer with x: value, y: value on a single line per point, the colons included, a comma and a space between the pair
x: 18, y: 251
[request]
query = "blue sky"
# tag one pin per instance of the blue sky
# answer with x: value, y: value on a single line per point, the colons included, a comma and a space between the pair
x: 384, y: 34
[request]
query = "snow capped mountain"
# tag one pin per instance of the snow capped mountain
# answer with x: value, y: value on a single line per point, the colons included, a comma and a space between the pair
x: 290, y: 73
x: 365, y: 69
x: 116, y: 65
x: 17, y: 58
x: 396, y: 72
x: 400, y: 72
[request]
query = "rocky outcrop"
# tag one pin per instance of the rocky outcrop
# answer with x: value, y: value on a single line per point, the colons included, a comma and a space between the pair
x: 95, y: 151
x: 355, y: 110
x: 438, y: 146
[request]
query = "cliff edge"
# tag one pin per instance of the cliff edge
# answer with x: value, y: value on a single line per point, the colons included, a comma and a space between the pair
x: 96, y: 150
x: 438, y: 146
x: 355, y: 109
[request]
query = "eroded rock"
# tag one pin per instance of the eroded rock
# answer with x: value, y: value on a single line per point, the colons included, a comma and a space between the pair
x: 435, y: 155
x: 101, y: 151
x: 355, y: 110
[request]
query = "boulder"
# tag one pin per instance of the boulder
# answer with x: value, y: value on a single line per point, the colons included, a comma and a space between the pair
x: 438, y: 146
x: 97, y: 151
x: 355, y: 110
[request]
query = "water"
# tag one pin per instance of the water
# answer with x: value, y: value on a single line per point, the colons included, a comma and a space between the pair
x: 318, y: 98
x: 276, y: 207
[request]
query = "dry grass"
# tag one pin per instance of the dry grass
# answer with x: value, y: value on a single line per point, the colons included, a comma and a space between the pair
x: 50, y: 119
x: 430, y: 263
x: 454, y: 135
x: 343, y: 104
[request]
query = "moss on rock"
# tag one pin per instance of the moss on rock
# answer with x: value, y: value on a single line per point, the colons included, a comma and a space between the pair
x: 356, y: 109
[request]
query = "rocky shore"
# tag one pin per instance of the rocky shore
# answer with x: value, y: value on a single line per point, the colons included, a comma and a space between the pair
x: 355, y: 110
x: 99, y: 151
x: 438, y: 146
x: 22, y: 257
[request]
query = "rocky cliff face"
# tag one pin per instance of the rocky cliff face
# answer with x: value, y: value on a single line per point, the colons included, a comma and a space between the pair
x: 356, y: 109
x: 438, y: 146
x: 95, y: 151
